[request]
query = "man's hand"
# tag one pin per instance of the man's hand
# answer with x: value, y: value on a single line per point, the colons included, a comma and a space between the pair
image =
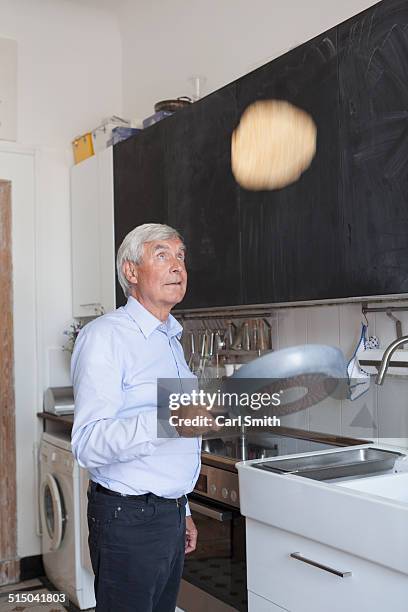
x: 191, y: 535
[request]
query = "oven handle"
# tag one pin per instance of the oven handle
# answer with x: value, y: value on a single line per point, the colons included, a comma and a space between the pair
x: 218, y: 515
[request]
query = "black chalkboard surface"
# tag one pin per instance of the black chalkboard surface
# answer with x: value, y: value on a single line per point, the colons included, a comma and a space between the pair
x: 292, y: 236
x: 202, y: 198
x: 342, y: 230
x: 139, y: 185
x: 373, y: 186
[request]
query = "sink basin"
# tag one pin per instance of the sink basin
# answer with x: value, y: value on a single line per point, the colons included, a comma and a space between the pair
x: 390, y: 486
x: 259, y: 445
x: 328, y: 466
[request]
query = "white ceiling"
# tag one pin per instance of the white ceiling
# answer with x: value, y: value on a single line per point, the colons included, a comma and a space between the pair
x: 108, y: 5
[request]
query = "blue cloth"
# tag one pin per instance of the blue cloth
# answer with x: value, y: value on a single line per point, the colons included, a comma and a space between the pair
x: 116, y: 362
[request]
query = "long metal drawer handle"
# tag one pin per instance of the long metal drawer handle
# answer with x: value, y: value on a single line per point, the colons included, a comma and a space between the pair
x: 218, y: 515
x: 326, y: 568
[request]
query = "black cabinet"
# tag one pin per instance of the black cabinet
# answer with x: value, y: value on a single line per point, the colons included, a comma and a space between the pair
x: 373, y: 77
x: 202, y: 201
x: 178, y: 172
x: 341, y: 230
x: 140, y: 193
x: 292, y: 237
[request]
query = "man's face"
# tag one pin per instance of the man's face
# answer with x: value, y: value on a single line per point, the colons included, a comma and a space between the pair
x: 161, y: 277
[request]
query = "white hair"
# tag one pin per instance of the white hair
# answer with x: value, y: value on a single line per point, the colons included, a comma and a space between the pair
x: 131, y: 248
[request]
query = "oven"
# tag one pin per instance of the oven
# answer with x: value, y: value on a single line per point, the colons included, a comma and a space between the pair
x: 214, y: 578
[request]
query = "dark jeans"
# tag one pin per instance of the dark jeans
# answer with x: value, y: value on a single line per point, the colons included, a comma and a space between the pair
x: 137, y: 552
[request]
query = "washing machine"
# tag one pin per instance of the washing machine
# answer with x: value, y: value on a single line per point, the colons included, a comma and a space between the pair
x: 63, y: 504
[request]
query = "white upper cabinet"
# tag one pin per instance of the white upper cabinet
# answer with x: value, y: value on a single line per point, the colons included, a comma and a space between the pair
x: 93, y: 243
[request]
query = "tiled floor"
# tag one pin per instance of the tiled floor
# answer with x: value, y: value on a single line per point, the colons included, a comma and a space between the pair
x: 38, y: 586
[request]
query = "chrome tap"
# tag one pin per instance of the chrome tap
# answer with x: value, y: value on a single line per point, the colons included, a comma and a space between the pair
x: 387, y: 358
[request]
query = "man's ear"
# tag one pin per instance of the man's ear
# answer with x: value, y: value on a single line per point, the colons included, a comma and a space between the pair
x: 129, y: 269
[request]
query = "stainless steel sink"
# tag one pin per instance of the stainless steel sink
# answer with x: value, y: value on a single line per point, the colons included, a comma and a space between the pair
x: 259, y: 445
x: 327, y: 466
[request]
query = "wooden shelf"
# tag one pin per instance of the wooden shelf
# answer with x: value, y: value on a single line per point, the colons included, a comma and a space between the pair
x: 56, y: 424
x: 66, y: 418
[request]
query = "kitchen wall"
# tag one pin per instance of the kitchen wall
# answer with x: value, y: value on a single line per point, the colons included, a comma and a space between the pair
x: 69, y: 59
x: 381, y: 414
x: 166, y: 43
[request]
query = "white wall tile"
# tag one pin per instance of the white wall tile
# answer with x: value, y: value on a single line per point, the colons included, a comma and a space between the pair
x: 326, y: 416
x: 298, y: 420
x: 359, y: 418
x: 323, y: 328
x: 393, y: 408
x: 292, y: 331
x: 292, y: 326
x: 323, y: 325
x: 392, y: 396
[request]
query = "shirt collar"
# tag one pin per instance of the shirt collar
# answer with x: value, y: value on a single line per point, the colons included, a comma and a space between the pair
x: 148, y: 322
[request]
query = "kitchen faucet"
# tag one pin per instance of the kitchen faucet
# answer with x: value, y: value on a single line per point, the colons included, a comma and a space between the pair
x: 387, y: 358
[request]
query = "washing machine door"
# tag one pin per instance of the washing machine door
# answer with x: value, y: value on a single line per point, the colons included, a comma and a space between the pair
x: 52, y: 510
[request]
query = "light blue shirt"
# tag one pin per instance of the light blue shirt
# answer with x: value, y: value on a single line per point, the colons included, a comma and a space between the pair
x: 116, y: 362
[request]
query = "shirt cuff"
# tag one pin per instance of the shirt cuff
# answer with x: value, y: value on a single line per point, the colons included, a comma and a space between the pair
x: 188, y: 511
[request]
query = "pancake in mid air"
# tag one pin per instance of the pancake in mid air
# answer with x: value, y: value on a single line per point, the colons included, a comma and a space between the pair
x: 272, y: 145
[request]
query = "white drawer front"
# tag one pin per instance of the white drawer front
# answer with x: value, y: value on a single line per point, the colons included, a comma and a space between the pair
x: 259, y: 604
x: 301, y: 587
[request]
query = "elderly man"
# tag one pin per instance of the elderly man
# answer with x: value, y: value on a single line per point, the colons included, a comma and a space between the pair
x: 138, y: 529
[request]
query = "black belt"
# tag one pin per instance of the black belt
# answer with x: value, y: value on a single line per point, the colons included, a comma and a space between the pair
x: 144, y: 497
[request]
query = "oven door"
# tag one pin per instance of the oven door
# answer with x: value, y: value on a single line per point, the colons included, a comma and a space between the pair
x: 214, y: 577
